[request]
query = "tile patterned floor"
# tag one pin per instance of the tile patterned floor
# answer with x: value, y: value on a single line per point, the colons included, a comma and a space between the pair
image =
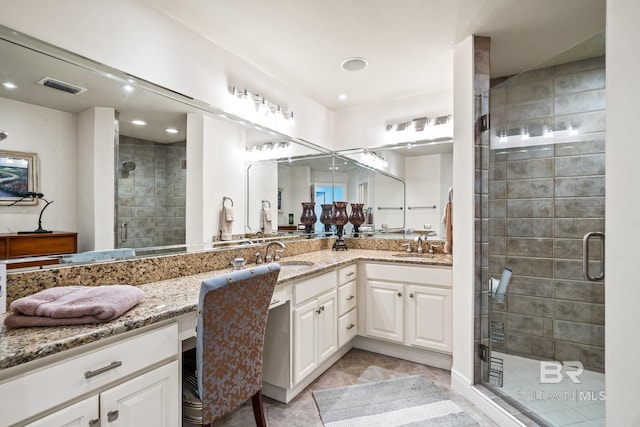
x: 562, y: 404
x: 355, y: 367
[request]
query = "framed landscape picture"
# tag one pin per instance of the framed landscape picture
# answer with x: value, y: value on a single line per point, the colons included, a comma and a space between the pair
x: 17, y: 177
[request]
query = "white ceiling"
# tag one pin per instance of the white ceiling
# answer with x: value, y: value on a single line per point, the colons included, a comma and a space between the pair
x: 408, y: 43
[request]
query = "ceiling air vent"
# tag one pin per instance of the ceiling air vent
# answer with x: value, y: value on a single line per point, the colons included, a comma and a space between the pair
x: 60, y: 85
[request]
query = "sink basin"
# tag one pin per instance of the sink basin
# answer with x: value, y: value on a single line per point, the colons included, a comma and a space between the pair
x: 413, y: 255
x: 295, y: 265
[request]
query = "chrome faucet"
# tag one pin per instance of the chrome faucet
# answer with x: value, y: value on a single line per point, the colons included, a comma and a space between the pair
x: 267, y: 255
x: 419, y: 239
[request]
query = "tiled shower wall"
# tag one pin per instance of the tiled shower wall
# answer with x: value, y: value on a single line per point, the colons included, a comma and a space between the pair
x: 151, y: 199
x: 542, y: 200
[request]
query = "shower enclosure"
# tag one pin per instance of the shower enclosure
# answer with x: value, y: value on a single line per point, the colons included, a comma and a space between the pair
x: 541, y: 348
x: 150, y: 193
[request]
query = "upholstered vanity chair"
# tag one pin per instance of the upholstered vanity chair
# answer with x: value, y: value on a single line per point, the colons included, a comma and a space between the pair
x: 232, y: 318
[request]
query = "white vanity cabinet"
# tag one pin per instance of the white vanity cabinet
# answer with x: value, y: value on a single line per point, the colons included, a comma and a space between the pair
x: 128, y: 380
x: 315, y: 330
x: 347, y: 302
x: 409, y: 305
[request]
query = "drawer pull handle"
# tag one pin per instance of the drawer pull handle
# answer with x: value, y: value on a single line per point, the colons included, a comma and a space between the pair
x: 351, y: 326
x: 350, y: 297
x: 399, y: 294
x: 112, y: 415
x: 275, y: 301
x: 410, y: 295
x: 320, y: 310
x: 94, y: 423
x: 113, y: 365
x: 351, y: 274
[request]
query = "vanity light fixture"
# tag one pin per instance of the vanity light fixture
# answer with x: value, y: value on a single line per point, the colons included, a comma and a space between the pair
x: 548, y: 133
x: 503, y: 136
x: 138, y: 122
x: 262, y: 105
x: 525, y: 134
x: 420, y: 129
x: 171, y: 130
x: 573, y: 130
x: 375, y: 160
x: 9, y: 85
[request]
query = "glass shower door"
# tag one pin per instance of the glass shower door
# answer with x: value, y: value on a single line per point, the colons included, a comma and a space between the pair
x: 544, y: 335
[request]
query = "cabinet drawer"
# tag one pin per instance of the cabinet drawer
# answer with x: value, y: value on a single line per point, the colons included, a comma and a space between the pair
x: 280, y: 296
x: 346, y: 274
x: 346, y: 297
x: 438, y: 276
x: 347, y: 327
x: 314, y: 286
x: 51, y: 385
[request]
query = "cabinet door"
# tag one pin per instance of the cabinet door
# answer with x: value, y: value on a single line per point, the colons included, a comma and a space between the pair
x: 327, y: 326
x: 151, y: 399
x: 385, y: 310
x: 429, y: 318
x: 305, y: 351
x: 77, y: 415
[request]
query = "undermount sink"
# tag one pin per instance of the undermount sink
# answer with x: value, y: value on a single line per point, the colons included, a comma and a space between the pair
x: 295, y: 265
x: 413, y: 255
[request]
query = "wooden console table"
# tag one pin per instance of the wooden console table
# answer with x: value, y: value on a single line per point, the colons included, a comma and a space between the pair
x: 37, y: 245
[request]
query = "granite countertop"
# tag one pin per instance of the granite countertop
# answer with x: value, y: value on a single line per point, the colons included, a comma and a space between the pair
x: 171, y: 298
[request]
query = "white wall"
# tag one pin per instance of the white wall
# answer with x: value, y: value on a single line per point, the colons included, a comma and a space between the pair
x: 426, y: 177
x: 136, y: 38
x: 622, y: 215
x: 463, y: 211
x: 215, y: 149
x: 51, y: 134
x: 95, y: 182
x: 365, y: 126
x: 263, y: 181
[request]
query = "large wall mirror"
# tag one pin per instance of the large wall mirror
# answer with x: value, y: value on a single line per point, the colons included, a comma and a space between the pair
x: 61, y: 106
x: 323, y: 178
x: 66, y: 109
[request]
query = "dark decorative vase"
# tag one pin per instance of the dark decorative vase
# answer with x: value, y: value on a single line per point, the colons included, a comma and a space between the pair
x: 308, y: 217
x: 340, y: 218
x: 357, y: 217
x: 325, y: 216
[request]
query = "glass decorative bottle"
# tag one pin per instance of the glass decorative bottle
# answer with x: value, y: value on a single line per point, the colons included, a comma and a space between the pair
x: 325, y: 216
x: 357, y: 217
x: 340, y: 218
x: 308, y: 217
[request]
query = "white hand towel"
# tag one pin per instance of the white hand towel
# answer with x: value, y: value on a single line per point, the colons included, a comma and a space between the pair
x: 228, y: 213
x: 265, y: 220
x: 226, y: 226
x: 447, y: 219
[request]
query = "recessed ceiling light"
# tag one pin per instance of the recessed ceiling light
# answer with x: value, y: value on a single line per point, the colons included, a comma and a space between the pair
x: 171, y: 130
x: 138, y: 122
x: 9, y: 85
x: 354, y: 64
x: 342, y: 96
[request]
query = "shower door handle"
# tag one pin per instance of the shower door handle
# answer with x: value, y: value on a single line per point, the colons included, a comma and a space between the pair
x: 585, y: 256
x: 124, y: 232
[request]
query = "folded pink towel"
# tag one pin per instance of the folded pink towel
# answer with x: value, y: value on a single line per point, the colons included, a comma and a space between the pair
x: 73, y: 305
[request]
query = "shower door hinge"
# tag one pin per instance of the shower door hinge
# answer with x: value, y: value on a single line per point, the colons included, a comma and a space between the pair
x: 484, y: 122
x: 483, y: 352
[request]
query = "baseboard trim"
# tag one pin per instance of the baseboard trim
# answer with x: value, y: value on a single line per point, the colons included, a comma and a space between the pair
x: 461, y: 385
x: 286, y: 395
x: 412, y: 354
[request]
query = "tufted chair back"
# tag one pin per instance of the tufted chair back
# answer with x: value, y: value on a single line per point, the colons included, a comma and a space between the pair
x: 231, y: 326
